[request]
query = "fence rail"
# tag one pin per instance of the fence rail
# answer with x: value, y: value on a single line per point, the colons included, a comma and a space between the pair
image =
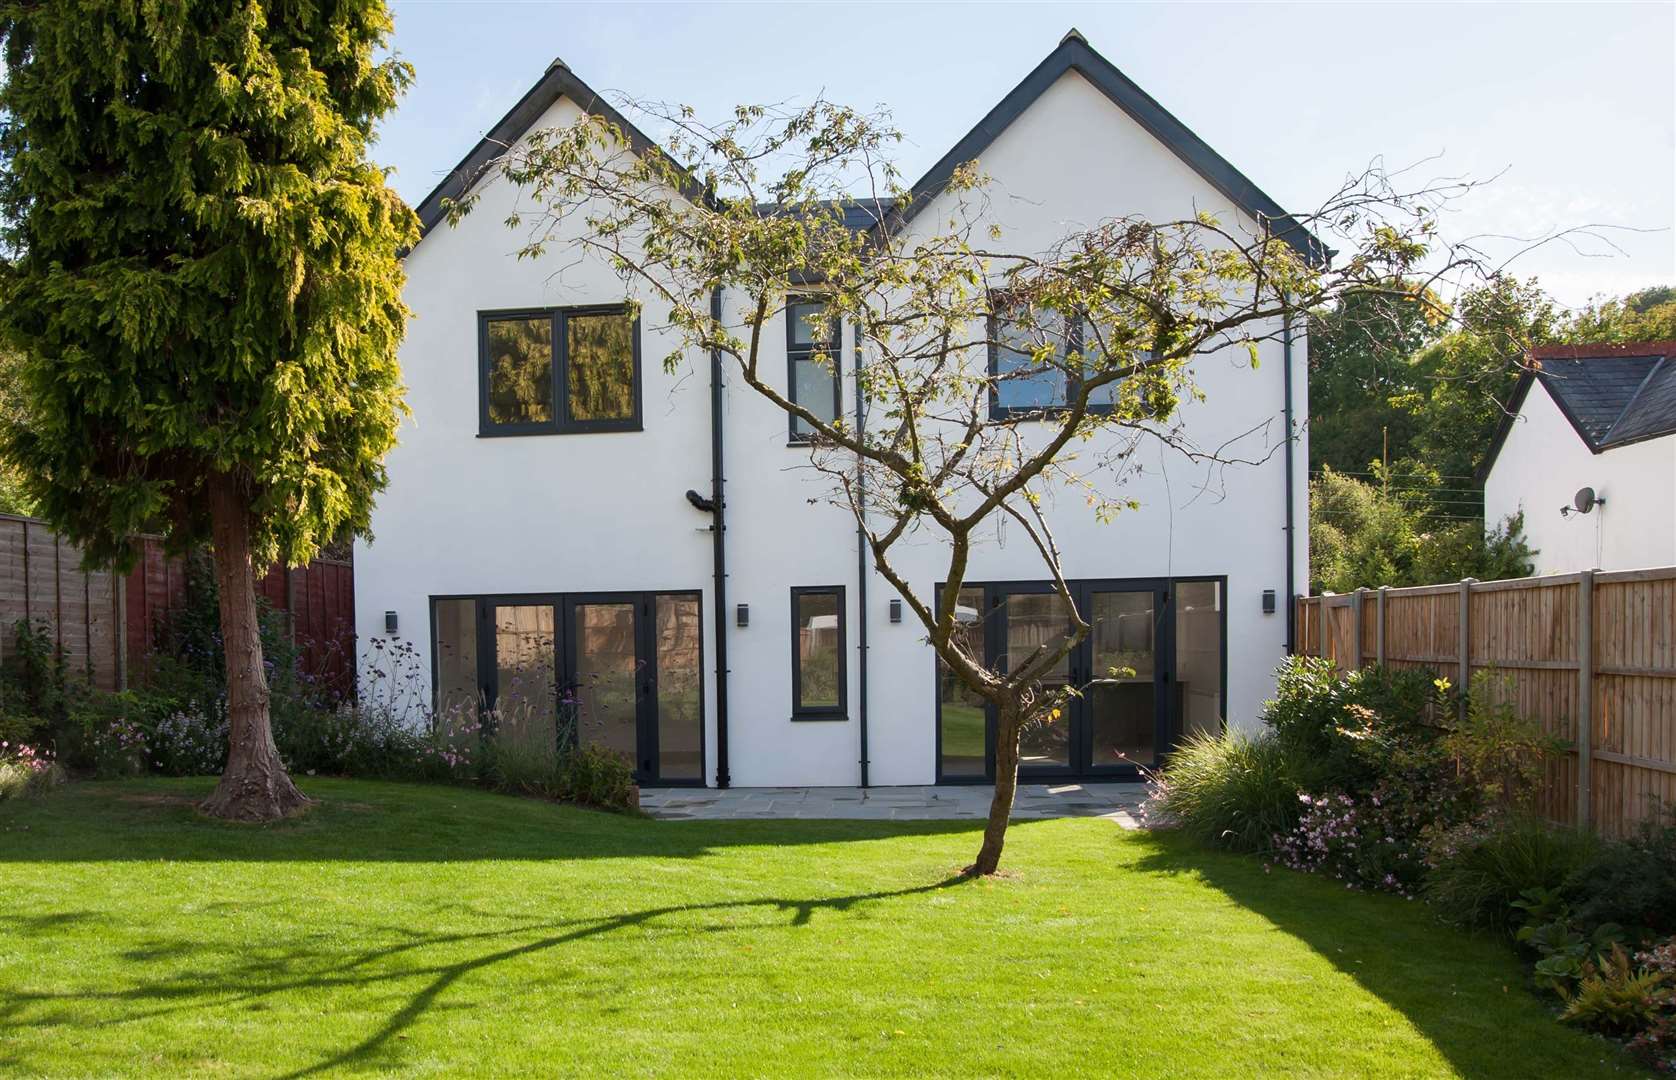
x: 104, y: 625
x: 1591, y: 655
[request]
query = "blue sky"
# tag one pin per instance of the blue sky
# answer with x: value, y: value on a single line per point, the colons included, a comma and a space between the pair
x: 1573, y: 104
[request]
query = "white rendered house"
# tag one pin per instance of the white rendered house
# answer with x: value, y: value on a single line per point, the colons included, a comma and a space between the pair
x: 574, y: 544
x: 1601, y: 417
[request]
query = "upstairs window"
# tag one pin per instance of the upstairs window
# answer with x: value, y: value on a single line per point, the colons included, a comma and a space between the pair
x: 1025, y: 385
x: 559, y: 371
x: 812, y: 375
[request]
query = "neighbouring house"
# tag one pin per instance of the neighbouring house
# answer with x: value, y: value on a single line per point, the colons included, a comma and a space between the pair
x: 1587, y: 452
x: 561, y: 562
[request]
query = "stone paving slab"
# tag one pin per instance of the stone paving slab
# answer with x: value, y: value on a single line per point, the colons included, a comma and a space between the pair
x: 1035, y: 802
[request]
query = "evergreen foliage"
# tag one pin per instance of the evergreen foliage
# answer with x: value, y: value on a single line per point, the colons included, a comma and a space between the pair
x: 202, y: 271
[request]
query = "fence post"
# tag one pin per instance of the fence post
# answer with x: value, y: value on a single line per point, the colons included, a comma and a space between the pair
x: 1357, y: 603
x: 1585, y: 692
x: 1379, y: 630
x: 119, y: 604
x: 1465, y: 676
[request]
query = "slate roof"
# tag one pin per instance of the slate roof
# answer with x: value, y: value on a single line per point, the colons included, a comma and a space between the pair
x: 1613, y: 395
x: 1073, y: 54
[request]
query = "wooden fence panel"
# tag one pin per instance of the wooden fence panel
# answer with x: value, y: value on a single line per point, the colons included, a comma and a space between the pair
x: 1550, y: 652
x: 104, y: 625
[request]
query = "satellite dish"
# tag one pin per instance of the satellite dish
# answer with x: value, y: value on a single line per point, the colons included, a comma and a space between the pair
x: 1585, y: 500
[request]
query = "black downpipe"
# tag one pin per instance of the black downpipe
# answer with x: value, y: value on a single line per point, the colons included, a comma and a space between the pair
x: 718, y: 540
x: 861, y: 558
x: 1291, y: 496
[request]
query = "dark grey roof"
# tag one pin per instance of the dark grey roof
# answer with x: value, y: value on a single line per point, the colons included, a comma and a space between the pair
x: 1075, y: 54
x: 858, y: 215
x: 1652, y: 412
x: 1597, y: 394
x: 1612, y: 395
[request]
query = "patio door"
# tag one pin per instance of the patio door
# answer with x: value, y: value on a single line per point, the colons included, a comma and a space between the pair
x: 619, y: 671
x: 1118, y: 723
x: 1122, y: 716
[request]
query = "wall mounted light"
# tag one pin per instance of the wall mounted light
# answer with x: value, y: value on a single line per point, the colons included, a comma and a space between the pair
x: 742, y: 615
x: 1268, y: 601
x: 896, y: 611
x: 389, y: 622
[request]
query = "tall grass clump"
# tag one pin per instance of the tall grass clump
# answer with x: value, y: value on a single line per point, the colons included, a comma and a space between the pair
x: 1231, y: 790
x: 1480, y: 873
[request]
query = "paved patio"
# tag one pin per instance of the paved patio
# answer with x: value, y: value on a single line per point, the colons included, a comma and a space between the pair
x: 1114, y: 802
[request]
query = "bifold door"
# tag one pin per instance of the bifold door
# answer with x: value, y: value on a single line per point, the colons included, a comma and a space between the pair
x: 621, y: 671
x: 1150, y: 668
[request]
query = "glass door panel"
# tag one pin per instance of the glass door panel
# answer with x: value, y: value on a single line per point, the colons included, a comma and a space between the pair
x: 1121, y: 700
x: 1034, y: 620
x: 677, y: 633
x: 603, y: 675
x: 526, y: 702
x: 1196, y: 705
x: 963, y: 716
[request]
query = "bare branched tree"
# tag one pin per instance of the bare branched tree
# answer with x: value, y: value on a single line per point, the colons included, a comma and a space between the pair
x: 765, y: 206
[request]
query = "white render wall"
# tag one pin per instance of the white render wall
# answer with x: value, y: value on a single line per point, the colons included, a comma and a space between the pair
x: 1544, y: 462
x: 572, y: 513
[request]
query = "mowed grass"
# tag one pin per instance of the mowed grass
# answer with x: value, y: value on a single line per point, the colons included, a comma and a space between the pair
x: 412, y: 930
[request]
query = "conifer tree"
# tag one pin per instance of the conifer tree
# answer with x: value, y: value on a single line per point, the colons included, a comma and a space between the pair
x: 201, y: 273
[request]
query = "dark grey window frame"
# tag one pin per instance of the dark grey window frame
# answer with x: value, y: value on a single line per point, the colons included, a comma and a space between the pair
x: 828, y: 712
x: 796, y: 352
x: 561, y: 424
x: 998, y: 411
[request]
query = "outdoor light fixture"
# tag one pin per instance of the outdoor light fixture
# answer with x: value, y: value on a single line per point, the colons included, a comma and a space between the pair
x: 896, y: 611
x: 389, y: 622
x: 742, y: 615
x: 1268, y: 601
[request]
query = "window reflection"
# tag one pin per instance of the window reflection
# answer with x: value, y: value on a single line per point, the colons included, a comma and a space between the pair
x: 679, y: 633
x: 520, y: 370
x: 962, y: 713
x: 1198, y: 675
x: 819, y: 646
x: 526, y: 699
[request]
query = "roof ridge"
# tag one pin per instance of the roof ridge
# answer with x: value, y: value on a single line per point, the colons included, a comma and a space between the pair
x: 1604, y: 350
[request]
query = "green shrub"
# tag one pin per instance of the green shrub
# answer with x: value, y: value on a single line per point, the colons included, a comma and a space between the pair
x: 1495, y: 748
x: 595, y: 776
x: 1633, y: 881
x: 527, y: 757
x: 1343, y: 731
x: 1480, y: 874
x: 1229, y: 790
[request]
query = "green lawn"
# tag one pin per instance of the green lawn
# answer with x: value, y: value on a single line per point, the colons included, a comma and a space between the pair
x: 433, y: 931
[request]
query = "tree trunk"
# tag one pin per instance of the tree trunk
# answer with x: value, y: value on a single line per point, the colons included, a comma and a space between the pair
x: 253, y: 786
x: 1006, y: 786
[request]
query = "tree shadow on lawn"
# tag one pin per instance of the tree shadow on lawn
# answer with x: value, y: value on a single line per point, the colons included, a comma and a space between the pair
x: 1467, y: 993
x: 224, y: 983
x: 367, y: 821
